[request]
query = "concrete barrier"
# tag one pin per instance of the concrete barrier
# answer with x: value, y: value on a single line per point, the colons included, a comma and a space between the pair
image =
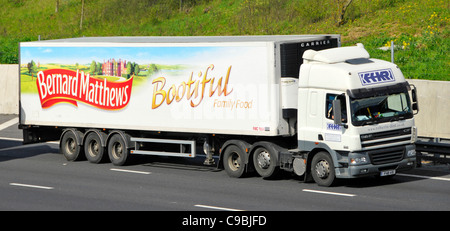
x: 433, y: 119
x: 9, y: 89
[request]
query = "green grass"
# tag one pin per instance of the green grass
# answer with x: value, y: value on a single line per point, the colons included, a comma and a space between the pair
x: 420, y: 28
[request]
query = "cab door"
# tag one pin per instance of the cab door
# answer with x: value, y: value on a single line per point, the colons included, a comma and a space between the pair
x: 310, y: 119
x: 332, y: 133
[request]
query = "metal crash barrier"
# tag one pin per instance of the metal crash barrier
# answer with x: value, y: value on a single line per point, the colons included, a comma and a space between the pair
x: 433, y: 149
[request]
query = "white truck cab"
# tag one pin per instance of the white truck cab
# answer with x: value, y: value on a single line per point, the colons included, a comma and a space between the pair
x: 355, y: 116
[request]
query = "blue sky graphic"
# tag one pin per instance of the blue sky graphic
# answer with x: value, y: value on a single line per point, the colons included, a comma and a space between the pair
x: 141, y: 55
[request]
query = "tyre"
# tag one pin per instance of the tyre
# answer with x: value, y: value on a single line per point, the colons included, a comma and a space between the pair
x: 93, y: 149
x: 322, y: 169
x: 117, y: 150
x: 265, y: 163
x: 233, y: 161
x: 70, y: 148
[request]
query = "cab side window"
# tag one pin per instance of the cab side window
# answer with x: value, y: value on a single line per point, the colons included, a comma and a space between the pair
x: 329, y: 106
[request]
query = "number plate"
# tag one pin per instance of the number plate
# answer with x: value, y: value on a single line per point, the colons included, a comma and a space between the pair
x: 387, y: 173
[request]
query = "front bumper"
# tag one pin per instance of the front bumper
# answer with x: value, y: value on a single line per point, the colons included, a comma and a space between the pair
x: 356, y: 171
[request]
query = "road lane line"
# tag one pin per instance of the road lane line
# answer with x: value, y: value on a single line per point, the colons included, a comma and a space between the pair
x: 425, y: 177
x: 330, y: 193
x: 9, y: 123
x: 129, y: 171
x: 31, y: 186
x: 218, y: 208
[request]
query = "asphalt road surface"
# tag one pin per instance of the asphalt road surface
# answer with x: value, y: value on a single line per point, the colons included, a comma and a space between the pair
x: 37, y: 177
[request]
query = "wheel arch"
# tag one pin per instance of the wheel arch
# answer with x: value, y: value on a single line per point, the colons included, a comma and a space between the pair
x: 243, y: 145
x: 79, y: 136
x: 103, y: 136
x: 124, y: 136
x: 311, y: 155
x: 274, y: 148
x: 313, y: 152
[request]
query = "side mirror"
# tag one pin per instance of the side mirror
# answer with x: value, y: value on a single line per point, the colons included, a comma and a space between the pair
x: 337, y: 112
x: 414, y: 95
x: 415, y: 105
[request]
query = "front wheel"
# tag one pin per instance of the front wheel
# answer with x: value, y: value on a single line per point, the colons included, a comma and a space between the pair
x: 322, y: 169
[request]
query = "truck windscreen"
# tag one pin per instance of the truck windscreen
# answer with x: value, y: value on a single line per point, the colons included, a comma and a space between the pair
x: 380, y: 109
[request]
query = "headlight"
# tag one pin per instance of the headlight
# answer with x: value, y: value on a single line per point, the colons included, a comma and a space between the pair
x: 359, y: 160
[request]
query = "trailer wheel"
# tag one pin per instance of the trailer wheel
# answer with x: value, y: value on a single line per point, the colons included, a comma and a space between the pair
x: 93, y: 148
x: 70, y: 148
x: 117, y: 150
x: 322, y: 169
x: 265, y: 163
x: 233, y: 161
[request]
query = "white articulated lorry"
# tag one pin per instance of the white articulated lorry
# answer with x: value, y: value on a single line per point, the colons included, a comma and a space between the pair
x: 298, y: 103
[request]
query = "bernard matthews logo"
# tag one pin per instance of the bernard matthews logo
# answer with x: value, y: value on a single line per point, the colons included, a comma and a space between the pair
x: 376, y: 77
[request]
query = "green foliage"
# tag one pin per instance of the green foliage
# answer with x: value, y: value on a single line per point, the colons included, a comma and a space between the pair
x: 418, y: 27
x: 129, y: 68
x: 32, y: 68
x: 16, y: 3
x: 136, y: 69
x: 93, y: 67
x: 99, y: 68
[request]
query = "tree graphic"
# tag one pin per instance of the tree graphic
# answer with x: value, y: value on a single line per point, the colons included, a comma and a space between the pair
x: 32, y: 68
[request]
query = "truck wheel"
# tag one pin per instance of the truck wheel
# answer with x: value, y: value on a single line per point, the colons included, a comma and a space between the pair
x: 322, y: 169
x: 233, y: 161
x: 70, y: 148
x: 265, y: 163
x: 93, y: 148
x: 117, y: 150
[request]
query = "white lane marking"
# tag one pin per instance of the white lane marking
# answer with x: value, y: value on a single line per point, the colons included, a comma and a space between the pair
x: 30, y: 186
x: 9, y: 123
x: 425, y: 177
x: 129, y: 171
x: 330, y: 193
x: 218, y: 208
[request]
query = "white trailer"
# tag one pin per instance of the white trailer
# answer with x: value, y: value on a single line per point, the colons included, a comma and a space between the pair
x: 258, y: 102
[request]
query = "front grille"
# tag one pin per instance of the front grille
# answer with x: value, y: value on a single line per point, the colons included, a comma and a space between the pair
x: 386, y: 134
x: 401, y: 139
x: 386, y: 155
x: 387, y: 137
